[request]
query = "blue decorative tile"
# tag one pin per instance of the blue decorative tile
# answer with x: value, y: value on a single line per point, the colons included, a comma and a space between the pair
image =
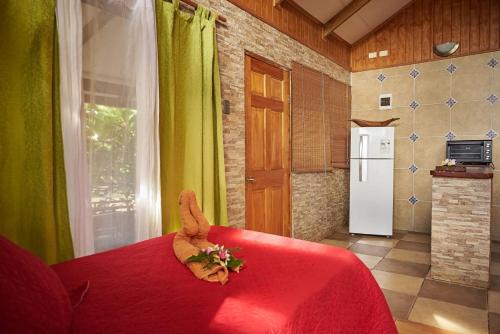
x: 451, y: 68
x: 450, y: 136
x: 493, y: 63
x: 491, y: 134
x: 381, y: 77
x: 492, y: 98
x: 413, y: 168
x: 451, y: 102
x: 414, y: 105
x: 413, y: 200
x: 413, y: 137
x: 414, y: 73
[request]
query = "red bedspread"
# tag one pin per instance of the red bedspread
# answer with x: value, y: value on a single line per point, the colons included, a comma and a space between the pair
x: 288, y: 286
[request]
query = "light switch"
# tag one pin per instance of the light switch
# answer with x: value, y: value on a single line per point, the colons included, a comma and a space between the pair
x: 226, y: 107
x: 372, y: 55
x: 383, y: 53
x: 385, y: 101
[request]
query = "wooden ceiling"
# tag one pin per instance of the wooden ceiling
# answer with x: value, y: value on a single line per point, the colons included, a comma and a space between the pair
x: 346, y: 31
x: 410, y: 35
x: 349, y: 20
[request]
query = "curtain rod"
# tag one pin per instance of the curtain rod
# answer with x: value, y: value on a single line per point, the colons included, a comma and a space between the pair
x: 220, y: 19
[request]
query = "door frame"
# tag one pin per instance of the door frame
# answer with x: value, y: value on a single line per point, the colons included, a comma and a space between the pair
x: 247, y: 92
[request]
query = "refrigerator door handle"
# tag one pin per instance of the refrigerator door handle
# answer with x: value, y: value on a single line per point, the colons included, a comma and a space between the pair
x: 363, y: 154
x: 363, y: 146
x: 360, y: 172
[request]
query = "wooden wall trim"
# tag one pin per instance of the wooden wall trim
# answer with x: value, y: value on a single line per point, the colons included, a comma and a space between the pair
x: 289, y: 20
x: 412, y: 32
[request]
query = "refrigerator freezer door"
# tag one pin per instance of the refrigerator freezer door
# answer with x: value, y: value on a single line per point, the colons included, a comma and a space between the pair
x: 371, y: 196
x: 372, y: 143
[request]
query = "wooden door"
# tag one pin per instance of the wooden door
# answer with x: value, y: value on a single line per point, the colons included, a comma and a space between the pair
x: 267, y: 172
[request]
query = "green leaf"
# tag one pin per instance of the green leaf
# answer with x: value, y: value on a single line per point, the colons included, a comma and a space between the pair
x: 201, y: 257
x: 234, y: 263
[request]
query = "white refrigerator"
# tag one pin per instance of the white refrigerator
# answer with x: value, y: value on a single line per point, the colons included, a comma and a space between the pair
x: 371, y: 180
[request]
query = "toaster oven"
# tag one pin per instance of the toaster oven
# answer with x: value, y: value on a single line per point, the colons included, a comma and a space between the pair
x: 470, y: 151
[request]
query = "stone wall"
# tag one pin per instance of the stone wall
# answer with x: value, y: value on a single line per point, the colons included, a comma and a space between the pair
x: 318, y: 199
x: 247, y: 33
x: 456, y: 98
x: 461, y: 211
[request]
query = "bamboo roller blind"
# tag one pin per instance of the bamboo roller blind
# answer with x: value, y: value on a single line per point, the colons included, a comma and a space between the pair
x: 320, y: 113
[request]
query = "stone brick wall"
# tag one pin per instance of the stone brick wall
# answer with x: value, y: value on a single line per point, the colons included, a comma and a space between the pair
x: 461, y: 212
x: 316, y: 200
x: 246, y: 32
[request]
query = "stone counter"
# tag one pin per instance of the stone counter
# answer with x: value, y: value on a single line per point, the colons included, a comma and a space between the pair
x: 461, y: 214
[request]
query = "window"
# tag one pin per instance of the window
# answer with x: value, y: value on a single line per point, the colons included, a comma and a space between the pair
x: 111, y: 133
x: 320, y: 121
x: 340, y: 123
x: 110, y: 103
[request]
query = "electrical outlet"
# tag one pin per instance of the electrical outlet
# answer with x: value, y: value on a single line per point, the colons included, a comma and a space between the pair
x: 372, y: 55
x: 383, y: 53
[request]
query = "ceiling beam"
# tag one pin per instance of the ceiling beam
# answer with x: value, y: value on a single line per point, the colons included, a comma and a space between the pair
x: 94, y: 25
x: 277, y: 2
x: 352, y: 8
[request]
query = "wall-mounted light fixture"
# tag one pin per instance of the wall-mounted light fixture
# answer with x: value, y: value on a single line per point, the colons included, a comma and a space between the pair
x: 446, y: 49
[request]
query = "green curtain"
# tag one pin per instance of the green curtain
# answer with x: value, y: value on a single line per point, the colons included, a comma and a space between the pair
x: 33, y: 205
x: 191, y: 148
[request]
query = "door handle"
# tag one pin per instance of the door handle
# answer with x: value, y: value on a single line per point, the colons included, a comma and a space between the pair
x: 249, y: 179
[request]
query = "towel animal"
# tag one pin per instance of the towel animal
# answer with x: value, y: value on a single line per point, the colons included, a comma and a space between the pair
x: 193, y: 237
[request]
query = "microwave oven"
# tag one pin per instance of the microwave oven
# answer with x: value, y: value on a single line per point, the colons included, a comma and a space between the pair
x: 470, y: 151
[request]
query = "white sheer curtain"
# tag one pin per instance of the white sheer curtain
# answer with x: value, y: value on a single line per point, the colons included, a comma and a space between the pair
x: 120, y: 82
x: 148, y: 201
x: 69, y: 25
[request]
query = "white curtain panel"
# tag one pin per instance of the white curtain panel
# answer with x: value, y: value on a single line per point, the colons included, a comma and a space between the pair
x: 69, y: 25
x: 148, y: 202
x: 121, y: 103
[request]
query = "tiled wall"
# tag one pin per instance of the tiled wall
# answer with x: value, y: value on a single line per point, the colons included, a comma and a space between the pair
x: 245, y: 32
x: 455, y: 98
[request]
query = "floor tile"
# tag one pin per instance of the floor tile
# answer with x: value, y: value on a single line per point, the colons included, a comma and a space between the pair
x: 403, y: 267
x: 417, y: 237
x: 494, y: 283
x: 410, y: 256
x: 378, y: 241
x: 495, y: 256
x: 494, y: 301
x: 369, y: 249
x: 413, y: 246
x: 369, y: 260
x: 494, y: 322
x: 399, y: 283
x: 410, y: 327
x: 338, y: 243
x: 398, y: 234
x: 399, y: 303
x: 495, y: 268
x: 452, y: 317
x: 453, y: 293
x: 344, y: 237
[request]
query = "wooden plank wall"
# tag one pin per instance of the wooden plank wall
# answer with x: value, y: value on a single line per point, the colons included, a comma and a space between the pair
x: 292, y: 22
x: 410, y: 35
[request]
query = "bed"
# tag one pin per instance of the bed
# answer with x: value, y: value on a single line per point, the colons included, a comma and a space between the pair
x: 287, y: 286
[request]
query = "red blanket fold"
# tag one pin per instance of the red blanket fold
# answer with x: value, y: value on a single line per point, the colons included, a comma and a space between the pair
x: 290, y: 286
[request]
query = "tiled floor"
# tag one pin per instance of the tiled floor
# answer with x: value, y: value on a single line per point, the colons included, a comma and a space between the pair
x: 401, y: 266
